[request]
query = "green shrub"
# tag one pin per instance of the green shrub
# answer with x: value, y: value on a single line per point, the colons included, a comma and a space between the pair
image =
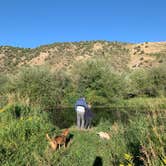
x: 98, y: 82
x: 3, y: 83
x: 39, y: 85
x: 147, y: 82
x: 139, y: 84
x: 158, y: 78
x: 22, y: 138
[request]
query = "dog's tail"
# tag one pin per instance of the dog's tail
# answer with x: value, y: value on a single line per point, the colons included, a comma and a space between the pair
x: 47, y: 136
x: 53, y: 144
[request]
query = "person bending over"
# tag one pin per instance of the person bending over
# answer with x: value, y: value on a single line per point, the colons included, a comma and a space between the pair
x: 80, y: 107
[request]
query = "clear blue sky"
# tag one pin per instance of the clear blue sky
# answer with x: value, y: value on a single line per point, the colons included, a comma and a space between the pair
x: 30, y: 23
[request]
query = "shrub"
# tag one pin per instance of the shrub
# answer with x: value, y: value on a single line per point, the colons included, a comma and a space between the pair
x: 39, y: 85
x: 158, y: 78
x: 98, y: 82
x: 3, y: 89
x: 3, y: 83
x: 147, y: 82
x: 22, y: 139
x: 139, y: 84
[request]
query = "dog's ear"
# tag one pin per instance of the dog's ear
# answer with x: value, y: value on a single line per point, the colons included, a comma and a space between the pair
x: 66, y: 130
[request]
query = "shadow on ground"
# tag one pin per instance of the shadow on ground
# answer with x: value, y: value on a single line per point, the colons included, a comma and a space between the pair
x: 98, y: 161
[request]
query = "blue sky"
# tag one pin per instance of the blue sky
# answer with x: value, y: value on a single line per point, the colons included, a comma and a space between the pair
x: 30, y: 23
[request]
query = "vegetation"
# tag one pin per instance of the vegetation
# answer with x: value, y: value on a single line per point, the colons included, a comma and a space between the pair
x: 13, y: 57
x: 128, y: 104
x: 141, y: 141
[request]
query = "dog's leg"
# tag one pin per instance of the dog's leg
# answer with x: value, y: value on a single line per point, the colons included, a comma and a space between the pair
x: 64, y: 145
x: 70, y: 141
x: 59, y: 146
x: 56, y: 145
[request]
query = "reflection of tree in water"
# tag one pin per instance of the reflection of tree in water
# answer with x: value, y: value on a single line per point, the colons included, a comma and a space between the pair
x: 65, y: 117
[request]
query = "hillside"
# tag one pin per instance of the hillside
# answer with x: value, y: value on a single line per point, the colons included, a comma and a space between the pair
x: 121, y: 56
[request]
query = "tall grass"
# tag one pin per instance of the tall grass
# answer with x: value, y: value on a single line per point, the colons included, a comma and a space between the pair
x: 22, y: 134
x: 140, y: 141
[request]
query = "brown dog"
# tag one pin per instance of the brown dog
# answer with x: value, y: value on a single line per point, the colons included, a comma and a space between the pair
x: 65, y: 132
x: 58, y: 140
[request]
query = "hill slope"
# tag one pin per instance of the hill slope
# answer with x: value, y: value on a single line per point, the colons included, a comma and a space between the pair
x: 63, y: 55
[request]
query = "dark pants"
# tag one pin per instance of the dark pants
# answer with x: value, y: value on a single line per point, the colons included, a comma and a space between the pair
x: 88, y: 123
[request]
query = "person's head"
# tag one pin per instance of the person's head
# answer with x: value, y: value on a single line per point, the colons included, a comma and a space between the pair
x: 82, y: 97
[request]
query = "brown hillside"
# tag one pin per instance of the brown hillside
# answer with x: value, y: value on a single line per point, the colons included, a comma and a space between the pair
x: 121, y: 56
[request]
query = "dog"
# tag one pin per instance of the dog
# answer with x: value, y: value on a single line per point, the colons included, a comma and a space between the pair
x: 58, y: 140
x: 103, y: 135
x: 65, y: 133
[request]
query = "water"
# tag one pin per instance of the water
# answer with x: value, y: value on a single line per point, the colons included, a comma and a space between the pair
x: 66, y: 117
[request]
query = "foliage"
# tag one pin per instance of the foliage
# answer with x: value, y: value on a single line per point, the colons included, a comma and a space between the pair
x: 98, y: 82
x: 139, y: 141
x: 129, y: 105
x: 39, y: 85
x: 22, y: 132
x: 149, y: 83
x: 158, y: 77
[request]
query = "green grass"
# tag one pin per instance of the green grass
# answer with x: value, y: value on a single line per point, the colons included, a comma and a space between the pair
x: 23, y: 141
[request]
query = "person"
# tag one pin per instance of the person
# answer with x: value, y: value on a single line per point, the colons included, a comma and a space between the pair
x: 80, y: 107
x: 88, y: 117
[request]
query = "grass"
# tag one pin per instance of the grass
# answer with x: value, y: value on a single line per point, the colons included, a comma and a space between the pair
x: 23, y: 142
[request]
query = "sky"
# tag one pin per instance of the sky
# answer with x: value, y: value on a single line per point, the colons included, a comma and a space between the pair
x: 31, y: 23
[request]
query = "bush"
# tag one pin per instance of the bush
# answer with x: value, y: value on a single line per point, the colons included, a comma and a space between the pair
x: 3, y: 83
x: 158, y: 78
x: 39, y: 85
x: 139, y: 84
x: 98, y: 82
x: 3, y: 89
x: 22, y: 139
x: 144, y: 82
